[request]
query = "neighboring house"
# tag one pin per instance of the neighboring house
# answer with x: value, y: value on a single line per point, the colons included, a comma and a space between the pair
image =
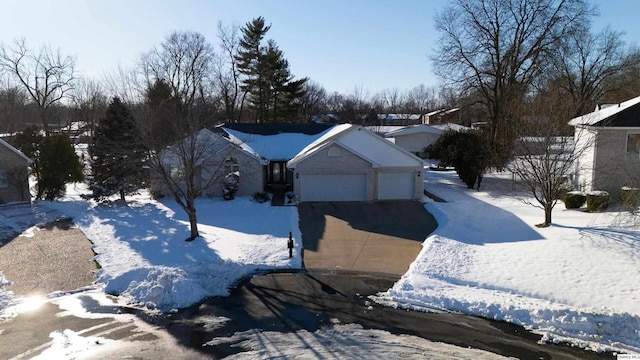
x: 14, y: 174
x: 442, y: 116
x: 217, y: 156
x: 415, y: 138
x: 351, y: 163
x: 608, y: 147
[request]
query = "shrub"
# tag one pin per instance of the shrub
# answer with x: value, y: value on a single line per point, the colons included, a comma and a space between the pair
x: 574, y: 199
x: 563, y: 188
x: 630, y: 197
x: 260, y: 197
x: 466, y: 151
x: 597, y: 200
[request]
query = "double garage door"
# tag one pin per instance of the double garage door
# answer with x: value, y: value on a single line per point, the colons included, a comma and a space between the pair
x: 353, y: 187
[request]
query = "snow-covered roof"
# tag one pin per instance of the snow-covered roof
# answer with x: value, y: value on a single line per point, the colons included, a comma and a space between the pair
x: 451, y: 126
x: 392, y: 117
x: 615, y: 112
x: 415, y: 129
x: 384, y: 129
x: 210, y: 142
x: 16, y: 151
x: 362, y: 142
x: 435, y: 112
x: 283, y: 146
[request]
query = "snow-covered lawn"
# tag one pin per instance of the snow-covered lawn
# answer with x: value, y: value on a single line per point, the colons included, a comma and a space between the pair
x: 578, y: 280
x: 144, y: 256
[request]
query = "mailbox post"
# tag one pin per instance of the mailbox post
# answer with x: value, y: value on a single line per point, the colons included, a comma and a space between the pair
x: 290, y: 245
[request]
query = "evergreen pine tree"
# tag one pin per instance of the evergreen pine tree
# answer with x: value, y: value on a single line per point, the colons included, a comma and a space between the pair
x: 272, y: 91
x: 117, y: 153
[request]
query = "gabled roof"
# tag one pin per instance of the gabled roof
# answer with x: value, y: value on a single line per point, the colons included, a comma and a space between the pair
x: 362, y: 142
x: 625, y: 114
x: 415, y: 129
x: 211, y: 142
x: 16, y: 151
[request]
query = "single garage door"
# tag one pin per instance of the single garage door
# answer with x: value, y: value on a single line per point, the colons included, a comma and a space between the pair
x: 333, y: 187
x: 396, y: 186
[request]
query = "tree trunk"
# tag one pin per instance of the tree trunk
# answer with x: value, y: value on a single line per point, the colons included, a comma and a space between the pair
x: 547, y: 215
x: 122, y: 194
x: 193, y: 222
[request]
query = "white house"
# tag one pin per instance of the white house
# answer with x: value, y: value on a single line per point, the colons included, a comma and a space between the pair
x: 608, y: 147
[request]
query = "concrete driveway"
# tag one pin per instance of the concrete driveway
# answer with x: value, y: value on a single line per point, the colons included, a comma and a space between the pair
x: 377, y: 237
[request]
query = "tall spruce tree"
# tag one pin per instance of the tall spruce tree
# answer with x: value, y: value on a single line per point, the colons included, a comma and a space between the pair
x: 273, y: 93
x: 117, y: 154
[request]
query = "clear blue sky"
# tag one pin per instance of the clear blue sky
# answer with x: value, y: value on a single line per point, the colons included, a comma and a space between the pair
x: 371, y: 44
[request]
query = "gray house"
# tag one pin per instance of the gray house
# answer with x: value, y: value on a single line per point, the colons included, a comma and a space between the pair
x: 608, y: 147
x: 14, y: 174
x: 216, y: 157
x: 316, y: 162
x: 351, y: 163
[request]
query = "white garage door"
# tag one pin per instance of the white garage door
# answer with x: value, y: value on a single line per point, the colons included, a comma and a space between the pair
x: 396, y: 186
x: 333, y: 187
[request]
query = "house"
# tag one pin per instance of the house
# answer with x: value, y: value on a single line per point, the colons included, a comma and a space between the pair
x: 607, y: 147
x: 350, y: 163
x: 215, y: 157
x: 442, y: 116
x: 275, y: 145
x: 415, y: 138
x: 14, y: 174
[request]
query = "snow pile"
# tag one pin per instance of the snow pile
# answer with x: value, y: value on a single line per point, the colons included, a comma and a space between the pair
x: 575, y: 281
x: 143, y: 255
x: 6, y: 298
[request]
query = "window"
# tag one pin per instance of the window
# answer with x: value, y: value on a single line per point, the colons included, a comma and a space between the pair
x: 231, y: 166
x: 4, y: 181
x: 633, y: 146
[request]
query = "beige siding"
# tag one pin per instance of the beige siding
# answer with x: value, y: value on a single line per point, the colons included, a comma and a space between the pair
x: 342, y: 162
x: 349, y: 163
x: 585, y: 161
x: 414, y: 143
x: 212, y: 175
x: 613, y: 169
x: 16, y: 168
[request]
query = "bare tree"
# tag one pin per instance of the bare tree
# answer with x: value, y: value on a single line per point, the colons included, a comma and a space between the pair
x: 90, y: 102
x: 183, y: 63
x: 497, y: 48
x: 421, y: 99
x: 46, y: 75
x: 313, y: 100
x: 586, y: 65
x: 391, y: 100
x: 226, y: 77
x: 546, y: 153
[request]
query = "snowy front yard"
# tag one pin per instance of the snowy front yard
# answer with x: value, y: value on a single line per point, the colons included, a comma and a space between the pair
x: 144, y: 258
x: 578, y: 280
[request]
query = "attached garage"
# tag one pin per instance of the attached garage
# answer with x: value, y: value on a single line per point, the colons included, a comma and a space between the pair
x: 396, y: 186
x: 351, y: 163
x: 338, y: 187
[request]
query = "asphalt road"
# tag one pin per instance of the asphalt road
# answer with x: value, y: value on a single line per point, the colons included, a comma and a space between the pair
x: 289, y: 302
